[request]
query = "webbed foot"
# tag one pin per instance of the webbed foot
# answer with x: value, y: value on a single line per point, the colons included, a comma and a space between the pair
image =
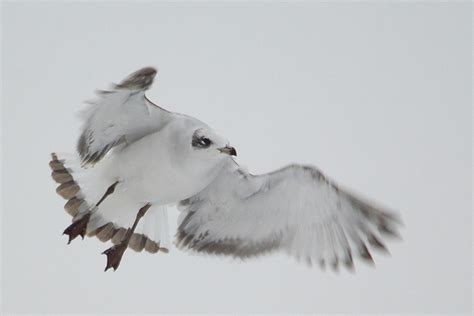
x: 77, y: 228
x: 114, y: 254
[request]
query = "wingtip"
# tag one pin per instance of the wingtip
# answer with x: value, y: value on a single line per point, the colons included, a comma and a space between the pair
x: 141, y: 79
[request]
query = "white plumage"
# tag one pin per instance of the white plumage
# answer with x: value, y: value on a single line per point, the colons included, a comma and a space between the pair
x: 133, y: 154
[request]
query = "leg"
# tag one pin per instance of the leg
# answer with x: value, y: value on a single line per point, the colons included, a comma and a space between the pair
x: 114, y: 254
x: 79, y: 227
x: 109, y: 191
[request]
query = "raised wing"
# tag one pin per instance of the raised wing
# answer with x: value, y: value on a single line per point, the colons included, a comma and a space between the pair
x: 119, y: 116
x: 295, y: 209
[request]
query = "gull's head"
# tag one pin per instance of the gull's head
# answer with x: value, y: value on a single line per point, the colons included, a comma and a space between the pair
x: 199, y: 150
x: 208, y: 145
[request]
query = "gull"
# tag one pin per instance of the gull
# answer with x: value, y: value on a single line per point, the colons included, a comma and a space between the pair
x: 135, y: 159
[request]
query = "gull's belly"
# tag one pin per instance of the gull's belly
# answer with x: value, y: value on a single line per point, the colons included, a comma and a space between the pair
x: 159, y: 184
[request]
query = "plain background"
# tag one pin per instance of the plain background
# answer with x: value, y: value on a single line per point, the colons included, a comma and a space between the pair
x: 377, y: 95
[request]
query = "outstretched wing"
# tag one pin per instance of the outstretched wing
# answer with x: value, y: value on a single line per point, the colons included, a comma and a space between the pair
x: 295, y: 209
x: 119, y: 116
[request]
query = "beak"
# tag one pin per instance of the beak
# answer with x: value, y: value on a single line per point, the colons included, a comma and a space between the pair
x: 228, y: 150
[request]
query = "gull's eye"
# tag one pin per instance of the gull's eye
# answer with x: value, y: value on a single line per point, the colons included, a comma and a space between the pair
x: 201, y: 141
x: 205, y: 142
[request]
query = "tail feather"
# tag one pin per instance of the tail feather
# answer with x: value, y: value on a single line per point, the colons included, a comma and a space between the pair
x: 61, y: 176
x: 68, y: 190
x: 73, y: 180
x: 75, y: 205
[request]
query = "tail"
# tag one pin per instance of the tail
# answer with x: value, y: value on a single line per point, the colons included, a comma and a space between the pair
x: 83, y: 188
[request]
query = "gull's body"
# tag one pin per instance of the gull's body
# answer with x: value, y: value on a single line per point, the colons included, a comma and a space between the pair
x: 154, y: 172
x: 135, y: 158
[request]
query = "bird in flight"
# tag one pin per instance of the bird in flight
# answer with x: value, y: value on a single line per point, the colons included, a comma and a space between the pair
x: 134, y: 159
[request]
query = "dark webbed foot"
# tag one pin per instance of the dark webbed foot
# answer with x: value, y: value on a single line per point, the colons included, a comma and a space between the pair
x: 114, y: 254
x: 77, y: 228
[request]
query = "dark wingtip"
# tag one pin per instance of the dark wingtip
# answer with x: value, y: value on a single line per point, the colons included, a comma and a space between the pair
x: 377, y: 244
x: 389, y: 231
x: 139, y: 80
x: 349, y: 261
x: 365, y: 254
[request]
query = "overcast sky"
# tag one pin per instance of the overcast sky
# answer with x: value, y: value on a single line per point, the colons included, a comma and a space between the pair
x: 376, y: 95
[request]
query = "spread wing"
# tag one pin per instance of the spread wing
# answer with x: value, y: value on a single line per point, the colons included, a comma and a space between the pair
x: 120, y: 116
x: 295, y: 209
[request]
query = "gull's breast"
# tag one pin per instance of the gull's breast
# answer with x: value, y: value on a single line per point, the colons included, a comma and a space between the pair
x: 147, y: 172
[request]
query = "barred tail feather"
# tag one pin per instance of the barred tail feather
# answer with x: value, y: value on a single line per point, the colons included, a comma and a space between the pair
x: 83, y: 188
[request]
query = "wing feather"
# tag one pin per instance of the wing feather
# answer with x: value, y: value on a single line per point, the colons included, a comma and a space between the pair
x: 120, y: 116
x: 295, y: 209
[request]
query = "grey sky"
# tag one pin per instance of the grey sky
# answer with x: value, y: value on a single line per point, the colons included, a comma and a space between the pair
x: 376, y: 95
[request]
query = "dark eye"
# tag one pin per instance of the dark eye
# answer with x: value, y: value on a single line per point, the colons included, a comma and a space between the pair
x: 201, y: 141
x: 204, y: 142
